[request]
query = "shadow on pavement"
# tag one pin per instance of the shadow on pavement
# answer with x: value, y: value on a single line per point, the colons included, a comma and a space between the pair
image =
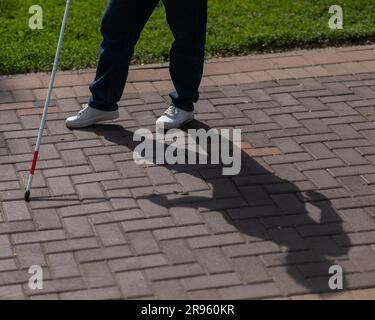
x: 276, y: 211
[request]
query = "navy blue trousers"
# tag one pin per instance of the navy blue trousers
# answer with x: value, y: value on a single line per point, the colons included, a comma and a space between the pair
x: 122, y: 24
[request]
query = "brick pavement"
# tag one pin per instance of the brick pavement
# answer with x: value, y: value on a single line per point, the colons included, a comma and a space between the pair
x: 104, y: 228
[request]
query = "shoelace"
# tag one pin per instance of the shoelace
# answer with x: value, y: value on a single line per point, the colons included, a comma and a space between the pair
x: 170, y: 111
x: 81, y: 112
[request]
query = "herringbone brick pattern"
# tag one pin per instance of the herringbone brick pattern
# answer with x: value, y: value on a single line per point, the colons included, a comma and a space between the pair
x: 103, y: 227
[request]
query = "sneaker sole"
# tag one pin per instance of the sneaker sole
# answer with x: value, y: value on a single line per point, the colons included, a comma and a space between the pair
x: 84, y: 124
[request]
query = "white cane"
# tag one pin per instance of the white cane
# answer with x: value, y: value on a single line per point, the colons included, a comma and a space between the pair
x: 46, y: 104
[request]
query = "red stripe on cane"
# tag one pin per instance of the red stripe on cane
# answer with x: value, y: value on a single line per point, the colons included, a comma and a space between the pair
x: 33, y: 164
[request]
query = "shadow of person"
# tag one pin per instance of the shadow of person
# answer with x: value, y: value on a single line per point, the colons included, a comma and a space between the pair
x: 297, y: 233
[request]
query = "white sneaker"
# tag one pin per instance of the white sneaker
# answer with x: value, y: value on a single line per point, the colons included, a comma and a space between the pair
x: 89, y: 116
x: 174, y: 117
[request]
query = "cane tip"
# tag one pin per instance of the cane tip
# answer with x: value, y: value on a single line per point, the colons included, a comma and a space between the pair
x: 27, y: 196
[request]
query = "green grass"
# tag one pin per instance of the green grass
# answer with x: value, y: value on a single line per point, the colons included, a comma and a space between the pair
x: 235, y: 27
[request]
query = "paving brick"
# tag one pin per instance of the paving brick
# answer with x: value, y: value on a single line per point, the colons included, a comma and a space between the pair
x: 319, y: 164
x: 316, y: 126
x: 217, y: 222
x: 137, y: 263
x: 359, y: 219
x: 180, y: 232
x: 358, y: 202
x: 7, y: 173
x: 61, y: 186
x: 16, y: 210
x: 289, y: 280
x: 107, y: 293
x: 94, y: 177
x: 70, y: 245
x: 8, y: 116
x: 288, y: 172
x: 119, y: 199
x: 366, y: 294
x: 318, y: 150
x: 5, y: 96
x: 356, y: 185
x: 360, y: 280
x: 255, y: 196
x: 147, y: 224
x: 217, y: 240
x: 257, y: 140
x: 321, y: 178
x: 29, y: 255
x: 130, y: 169
x: 174, y: 272
x: 369, y: 178
x: 290, y: 158
x: 354, y: 143
x: 342, y: 109
x: 66, y: 171
x: 102, y: 163
x: 64, y: 92
x: 78, y: 227
x: 177, y: 251
x: 90, y: 191
x: 160, y: 175
x: 213, y: 260
x: 169, y: 290
x: 258, y: 95
x: 143, y: 242
x: 185, y: 216
x: 13, y: 292
x: 133, y: 284
x: 78, y: 144
x: 63, y: 265
x: 254, y: 291
x: 205, y: 294
x: 16, y: 226
x: 152, y: 209
x: 345, y: 131
x: 287, y: 238
x: 110, y: 234
x: 250, y: 269
x: 97, y: 254
x: 288, y: 203
x: 212, y: 281
x: 205, y: 106
x: 363, y: 257
x: 287, y: 145
x: 18, y: 146
x: 39, y: 236
x: 286, y: 121
x: 258, y: 116
x: 6, y: 249
x: 7, y: 265
x: 85, y: 209
x: 97, y: 274
x: 251, y: 249
x: 73, y: 157
x: 354, y: 170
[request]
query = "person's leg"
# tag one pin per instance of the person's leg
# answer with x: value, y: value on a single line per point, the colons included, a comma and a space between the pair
x: 122, y: 25
x: 187, y: 20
